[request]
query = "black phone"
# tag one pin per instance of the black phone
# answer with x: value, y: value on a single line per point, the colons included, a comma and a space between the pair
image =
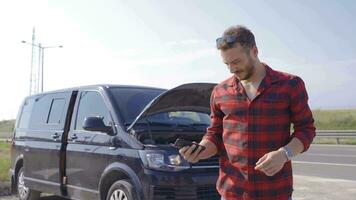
x: 180, y: 143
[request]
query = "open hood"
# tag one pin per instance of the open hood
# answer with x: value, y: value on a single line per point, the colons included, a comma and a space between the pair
x: 188, y: 97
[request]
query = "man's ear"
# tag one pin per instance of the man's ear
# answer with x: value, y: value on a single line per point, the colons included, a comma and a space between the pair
x: 254, y: 51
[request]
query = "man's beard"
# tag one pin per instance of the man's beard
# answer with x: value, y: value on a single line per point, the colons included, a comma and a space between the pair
x: 249, y: 73
x: 249, y: 70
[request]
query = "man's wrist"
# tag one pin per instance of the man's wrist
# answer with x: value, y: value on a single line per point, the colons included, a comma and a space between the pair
x: 287, y: 152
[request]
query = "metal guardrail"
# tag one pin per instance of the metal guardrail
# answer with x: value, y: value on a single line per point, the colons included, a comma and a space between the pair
x: 337, y: 134
x: 5, y: 139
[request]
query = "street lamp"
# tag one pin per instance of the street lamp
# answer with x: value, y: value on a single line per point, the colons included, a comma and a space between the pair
x: 41, y: 51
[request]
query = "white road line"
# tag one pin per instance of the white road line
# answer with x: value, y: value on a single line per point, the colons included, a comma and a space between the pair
x: 322, y: 179
x: 336, y: 155
x: 321, y: 163
x: 333, y: 145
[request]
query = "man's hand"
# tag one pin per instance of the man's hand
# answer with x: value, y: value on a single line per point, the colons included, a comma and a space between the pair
x: 187, y: 154
x: 272, y: 162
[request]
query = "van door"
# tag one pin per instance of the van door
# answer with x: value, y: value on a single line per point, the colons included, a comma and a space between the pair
x: 87, y: 151
x: 43, y: 141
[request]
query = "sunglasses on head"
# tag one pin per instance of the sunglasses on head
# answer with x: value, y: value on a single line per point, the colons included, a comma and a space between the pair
x: 228, y: 39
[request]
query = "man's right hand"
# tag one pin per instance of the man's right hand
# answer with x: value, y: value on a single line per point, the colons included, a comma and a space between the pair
x: 210, y: 150
x: 191, y: 153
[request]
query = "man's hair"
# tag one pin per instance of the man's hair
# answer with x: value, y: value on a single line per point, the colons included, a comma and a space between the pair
x: 244, y: 37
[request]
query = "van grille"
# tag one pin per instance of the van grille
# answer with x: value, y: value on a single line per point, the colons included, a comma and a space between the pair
x: 186, y: 193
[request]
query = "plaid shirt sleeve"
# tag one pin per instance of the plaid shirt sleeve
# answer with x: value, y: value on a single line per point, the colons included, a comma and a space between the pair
x: 214, y: 131
x: 301, y: 115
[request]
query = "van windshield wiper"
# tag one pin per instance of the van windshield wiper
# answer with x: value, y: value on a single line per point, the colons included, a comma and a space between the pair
x: 198, y: 124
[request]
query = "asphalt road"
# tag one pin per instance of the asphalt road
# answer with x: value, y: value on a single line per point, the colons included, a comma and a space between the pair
x: 327, y: 161
x: 324, y: 172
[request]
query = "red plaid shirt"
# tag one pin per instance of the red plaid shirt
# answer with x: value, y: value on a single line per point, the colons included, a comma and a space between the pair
x: 245, y: 130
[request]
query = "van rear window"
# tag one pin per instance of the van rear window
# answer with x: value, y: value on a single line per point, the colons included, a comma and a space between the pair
x: 49, y: 111
x: 26, y: 113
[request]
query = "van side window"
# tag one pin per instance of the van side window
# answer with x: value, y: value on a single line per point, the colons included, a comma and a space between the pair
x: 49, y: 111
x: 25, y: 114
x: 56, y: 111
x: 91, y: 104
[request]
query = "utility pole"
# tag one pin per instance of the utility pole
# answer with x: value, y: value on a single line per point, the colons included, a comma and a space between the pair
x: 36, y: 75
x: 32, y: 89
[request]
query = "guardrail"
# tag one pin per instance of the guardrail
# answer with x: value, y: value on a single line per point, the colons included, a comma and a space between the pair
x: 5, y: 139
x: 337, y: 134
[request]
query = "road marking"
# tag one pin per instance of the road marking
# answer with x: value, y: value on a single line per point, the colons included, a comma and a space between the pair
x: 333, y: 145
x: 321, y: 179
x: 320, y: 163
x: 337, y: 155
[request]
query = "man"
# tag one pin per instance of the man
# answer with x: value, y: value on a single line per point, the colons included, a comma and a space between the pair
x: 251, y: 116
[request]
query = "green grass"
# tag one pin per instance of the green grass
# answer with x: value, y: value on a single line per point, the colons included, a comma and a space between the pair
x: 349, y: 141
x: 4, y: 161
x: 335, y: 119
x: 7, y: 125
x: 5, y: 134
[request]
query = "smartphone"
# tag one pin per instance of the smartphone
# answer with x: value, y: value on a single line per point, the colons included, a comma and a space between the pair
x: 180, y: 143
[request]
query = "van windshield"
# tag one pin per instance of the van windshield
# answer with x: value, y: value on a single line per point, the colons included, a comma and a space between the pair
x: 131, y: 101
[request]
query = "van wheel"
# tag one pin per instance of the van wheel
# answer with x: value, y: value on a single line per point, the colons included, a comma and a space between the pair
x: 121, y: 190
x: 23, y: 191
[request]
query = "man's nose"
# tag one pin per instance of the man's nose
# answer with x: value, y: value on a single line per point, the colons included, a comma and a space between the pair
x: 232, y: 66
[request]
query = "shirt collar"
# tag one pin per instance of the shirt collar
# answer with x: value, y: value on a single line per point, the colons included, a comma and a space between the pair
x: 271, y: 74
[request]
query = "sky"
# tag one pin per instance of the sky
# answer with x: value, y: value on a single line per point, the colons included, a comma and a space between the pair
x: 167, y: 43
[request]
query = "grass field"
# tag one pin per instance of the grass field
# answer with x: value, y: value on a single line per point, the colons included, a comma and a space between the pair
x: 4, y: 161
x: 5, y: 134
x: 335, y: 119
x: 7, y: 125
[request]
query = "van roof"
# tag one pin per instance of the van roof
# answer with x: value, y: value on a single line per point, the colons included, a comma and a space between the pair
x: 98, y: 86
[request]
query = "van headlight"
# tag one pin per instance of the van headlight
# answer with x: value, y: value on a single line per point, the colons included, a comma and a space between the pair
x: 155, y: 160
x: 175, y: 160
x: 163, y: 161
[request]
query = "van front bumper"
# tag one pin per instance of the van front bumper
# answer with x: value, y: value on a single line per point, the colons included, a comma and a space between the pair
x: 188, y: 184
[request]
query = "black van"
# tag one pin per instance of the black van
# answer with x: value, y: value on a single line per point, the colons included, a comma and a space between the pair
x: 112, y: 142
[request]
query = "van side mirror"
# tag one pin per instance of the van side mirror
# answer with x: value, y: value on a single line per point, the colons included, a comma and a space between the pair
x: 97, y: 124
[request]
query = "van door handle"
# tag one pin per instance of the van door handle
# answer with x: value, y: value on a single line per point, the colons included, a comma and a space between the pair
x: 115, y: 143
x: 74, y: 137
x: 55, y: 136
x: 113, y: 148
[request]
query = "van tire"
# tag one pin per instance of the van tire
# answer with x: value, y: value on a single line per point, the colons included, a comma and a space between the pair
x: 123, y: 188
x: 23, y: 192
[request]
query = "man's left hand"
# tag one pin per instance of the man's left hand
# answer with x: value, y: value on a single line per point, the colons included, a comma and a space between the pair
x: 272, y: 162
